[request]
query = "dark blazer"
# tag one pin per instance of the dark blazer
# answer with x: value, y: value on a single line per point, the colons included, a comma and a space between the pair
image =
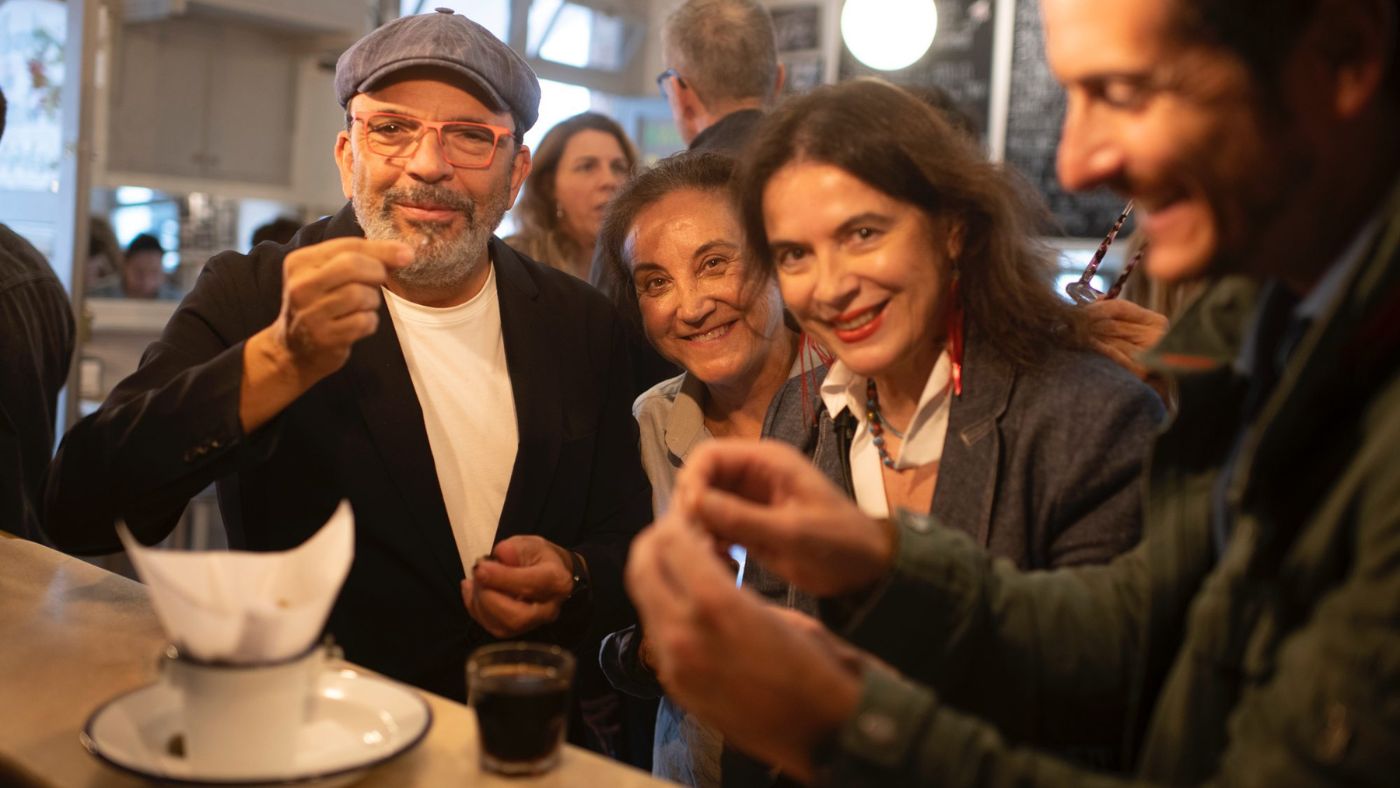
x: 1041, y: 464
x: 172, y: 428
x: 36, y: 344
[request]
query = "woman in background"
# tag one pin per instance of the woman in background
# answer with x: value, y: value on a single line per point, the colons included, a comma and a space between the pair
x: 580, y: 165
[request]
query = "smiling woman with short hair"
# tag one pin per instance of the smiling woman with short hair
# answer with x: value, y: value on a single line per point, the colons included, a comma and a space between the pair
x: 673, y: 241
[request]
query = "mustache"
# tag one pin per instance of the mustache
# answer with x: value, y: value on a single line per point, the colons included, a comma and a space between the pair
x: 432, y: 195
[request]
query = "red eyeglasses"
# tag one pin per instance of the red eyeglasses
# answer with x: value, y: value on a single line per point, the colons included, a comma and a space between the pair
x: 464, y: 144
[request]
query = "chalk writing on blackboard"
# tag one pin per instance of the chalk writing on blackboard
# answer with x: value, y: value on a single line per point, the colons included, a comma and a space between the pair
x: 797, y: 28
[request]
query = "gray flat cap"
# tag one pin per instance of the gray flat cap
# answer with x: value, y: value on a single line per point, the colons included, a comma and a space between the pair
x: 444, y: 39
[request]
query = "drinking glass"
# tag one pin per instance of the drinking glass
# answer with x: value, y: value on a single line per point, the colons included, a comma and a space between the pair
x: 520, y: 692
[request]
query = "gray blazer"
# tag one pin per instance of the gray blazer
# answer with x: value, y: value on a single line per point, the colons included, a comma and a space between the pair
x: 1042, y: 463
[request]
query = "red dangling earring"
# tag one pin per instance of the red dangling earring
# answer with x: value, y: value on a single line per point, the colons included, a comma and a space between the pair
x: 955, y: 333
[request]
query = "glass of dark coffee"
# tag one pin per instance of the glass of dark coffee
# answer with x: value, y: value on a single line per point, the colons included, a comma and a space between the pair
x: 520, y: 692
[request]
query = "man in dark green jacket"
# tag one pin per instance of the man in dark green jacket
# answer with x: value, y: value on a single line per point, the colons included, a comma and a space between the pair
x: 1254, y: 637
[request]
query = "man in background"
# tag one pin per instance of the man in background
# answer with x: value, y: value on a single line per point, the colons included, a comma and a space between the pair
x: 464, y: 399
x: 36, y: 347
x: 721, y: 72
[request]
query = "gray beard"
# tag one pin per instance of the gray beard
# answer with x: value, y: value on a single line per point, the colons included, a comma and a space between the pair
x: 441, y: 259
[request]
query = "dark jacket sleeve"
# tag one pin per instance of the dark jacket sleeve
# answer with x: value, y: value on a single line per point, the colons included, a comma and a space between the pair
x: 620, y: 658
x: 1326, y: 715
x: 36, y: 345
x: 619, y: 501
x: 171, y: 428
x: 1048, y: 654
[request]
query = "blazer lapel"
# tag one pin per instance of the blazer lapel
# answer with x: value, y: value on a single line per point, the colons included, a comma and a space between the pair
x: 530, y: 358
x: 389, y: 404
x: 973, y: 446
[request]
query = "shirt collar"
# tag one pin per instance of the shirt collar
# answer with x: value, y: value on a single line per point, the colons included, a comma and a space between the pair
x: 685, y: 425
x: 1315, y: 303
x: 924, y: 437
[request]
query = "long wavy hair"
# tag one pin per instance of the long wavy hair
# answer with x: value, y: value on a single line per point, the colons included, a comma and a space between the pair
x: 540, y: 235
x: 900, y: 146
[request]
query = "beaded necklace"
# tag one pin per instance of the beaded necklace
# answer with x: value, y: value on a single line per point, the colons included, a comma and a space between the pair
x: 877, y: 425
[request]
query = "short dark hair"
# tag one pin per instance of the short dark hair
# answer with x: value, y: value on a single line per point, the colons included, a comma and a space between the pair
x: 724, y: 49
x: 1262, y: 33
x: 706, y: 172
x: 279, y: 230
x: 145, y: 242
x: 4, y: 107
x: 863, y: 127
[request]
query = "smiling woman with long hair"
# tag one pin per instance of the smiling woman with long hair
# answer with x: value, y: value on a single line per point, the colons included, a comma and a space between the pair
x: 962, y: 386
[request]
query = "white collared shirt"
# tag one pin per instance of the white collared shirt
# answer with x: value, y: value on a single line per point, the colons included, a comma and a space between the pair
x: 923, y: 440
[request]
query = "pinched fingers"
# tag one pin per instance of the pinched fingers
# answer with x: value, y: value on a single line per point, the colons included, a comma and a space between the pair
x: 760, y: 471
x: 761, y: 528
x: 503, y: 615
x: 308, y: 281
x: 394, y: 254
x: 541, y: 582
x: 682, y: 594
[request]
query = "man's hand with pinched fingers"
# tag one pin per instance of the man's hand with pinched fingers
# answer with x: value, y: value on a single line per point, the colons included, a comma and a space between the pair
x: 330, y: 301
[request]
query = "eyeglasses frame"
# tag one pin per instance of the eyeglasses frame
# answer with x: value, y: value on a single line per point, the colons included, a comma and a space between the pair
x: 663, y: 76
x: 1080, y: 290
x: 436, y: 126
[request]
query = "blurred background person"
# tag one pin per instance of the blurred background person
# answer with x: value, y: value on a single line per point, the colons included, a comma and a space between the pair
x: 103, y: 270
x: 722, y: 71
x: 142, y: 272
x: 673, y: 236
x: 580, y: 165
x: 963, y: 386
x: 36, y: 347
x: 279, y: 231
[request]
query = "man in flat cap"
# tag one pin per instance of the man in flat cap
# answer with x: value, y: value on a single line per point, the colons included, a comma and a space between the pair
x: 468, y: 402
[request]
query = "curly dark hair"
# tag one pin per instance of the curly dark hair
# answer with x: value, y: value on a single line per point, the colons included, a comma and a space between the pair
x: 1262, y: 33
x: 889, y: 139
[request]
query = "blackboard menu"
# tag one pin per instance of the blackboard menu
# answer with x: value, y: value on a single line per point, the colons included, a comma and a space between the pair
x: 959, y: 61
x: 1037, y: 109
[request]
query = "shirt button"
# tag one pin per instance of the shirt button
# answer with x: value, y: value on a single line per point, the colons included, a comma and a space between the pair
x: 920, y: 524
x: 878, y: 728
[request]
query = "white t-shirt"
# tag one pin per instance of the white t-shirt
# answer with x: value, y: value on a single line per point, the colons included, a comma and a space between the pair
x: 457, y: 360
x: 923, y: 440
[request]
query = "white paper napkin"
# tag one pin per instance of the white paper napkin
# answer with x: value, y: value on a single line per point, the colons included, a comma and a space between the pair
x: 246, y: 607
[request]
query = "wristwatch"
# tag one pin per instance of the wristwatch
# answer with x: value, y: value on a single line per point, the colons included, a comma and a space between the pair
x: 580, y: 571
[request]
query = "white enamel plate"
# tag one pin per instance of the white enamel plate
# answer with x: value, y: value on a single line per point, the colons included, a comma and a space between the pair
x: 357, y: 722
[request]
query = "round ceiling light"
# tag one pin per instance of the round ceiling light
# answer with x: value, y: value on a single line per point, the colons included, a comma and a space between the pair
x: 889, y: 34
